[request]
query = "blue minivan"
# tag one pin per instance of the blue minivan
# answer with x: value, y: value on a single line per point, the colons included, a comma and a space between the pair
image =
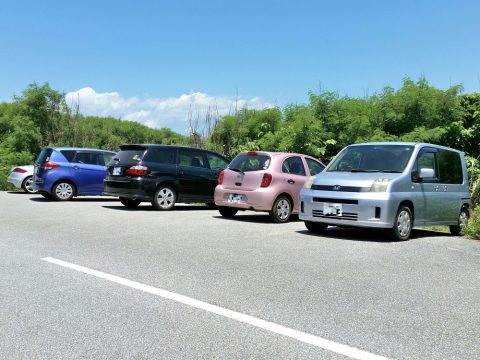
x: 62, y: 173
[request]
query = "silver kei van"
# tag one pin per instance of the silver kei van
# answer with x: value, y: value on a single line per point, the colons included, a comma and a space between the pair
x: 390, y: 185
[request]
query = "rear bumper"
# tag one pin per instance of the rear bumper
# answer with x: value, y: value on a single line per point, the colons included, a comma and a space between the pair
x: 41, y: 186
x: 15, y: 180
x: 135, y: 188
x: 259, y: 200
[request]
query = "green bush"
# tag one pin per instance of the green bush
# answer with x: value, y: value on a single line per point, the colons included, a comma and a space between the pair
x: 473, y: 227
x: 475, y: 192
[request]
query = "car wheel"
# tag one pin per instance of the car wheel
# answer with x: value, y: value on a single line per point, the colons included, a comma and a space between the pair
x: 27, y: 185
x: 462, y: 223
x: 164, y: 198
x: 227, y: 212
x: 316, y: 227
x: 402, y: 227
x: 63, y: 191
x: 129, y: 203
x: 281, y: 210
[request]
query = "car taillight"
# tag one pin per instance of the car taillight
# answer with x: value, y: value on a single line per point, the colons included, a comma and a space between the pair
x: 221, y: 175
x: 19, y: 170
x: 49, y: 165
x: 138, y: 170
x: 266, y: 180
x: 251, y: 153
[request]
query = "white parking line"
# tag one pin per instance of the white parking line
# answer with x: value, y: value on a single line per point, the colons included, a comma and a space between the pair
x: 234, y: 315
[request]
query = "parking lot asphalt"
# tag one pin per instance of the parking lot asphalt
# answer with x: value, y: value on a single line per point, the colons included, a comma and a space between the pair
x: 349, y: 288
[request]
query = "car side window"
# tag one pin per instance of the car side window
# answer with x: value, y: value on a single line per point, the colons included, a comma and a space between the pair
x: 314, y: 166
x: 98, y: 159
x: 216, y: 162
x: 191, y: 158
x: 90, y: 158
x: 294, y: 165
x: 107, y: 157
x: 426, y: 160
x: 69, y: 154
x: 82, y: 158
x: 450, y: 167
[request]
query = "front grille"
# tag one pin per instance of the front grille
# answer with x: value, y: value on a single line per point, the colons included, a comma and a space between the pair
x: 345, y: 215
x: 335, y: 201
x: 340, y: 188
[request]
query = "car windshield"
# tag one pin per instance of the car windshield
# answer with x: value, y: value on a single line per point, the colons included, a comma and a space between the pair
x: 246, y: 162
x: 372, y: 158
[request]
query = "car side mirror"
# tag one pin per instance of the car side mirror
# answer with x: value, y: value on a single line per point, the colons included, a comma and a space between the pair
x: 426, y: 173
x: 418, y: 176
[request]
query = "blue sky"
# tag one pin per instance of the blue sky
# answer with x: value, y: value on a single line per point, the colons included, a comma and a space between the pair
x: 270, y: 52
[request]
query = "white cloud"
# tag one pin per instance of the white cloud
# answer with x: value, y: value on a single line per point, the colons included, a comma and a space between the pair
x: 170, y: 112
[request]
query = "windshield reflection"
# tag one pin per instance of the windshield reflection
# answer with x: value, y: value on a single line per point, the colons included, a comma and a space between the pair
x: 372, y: 158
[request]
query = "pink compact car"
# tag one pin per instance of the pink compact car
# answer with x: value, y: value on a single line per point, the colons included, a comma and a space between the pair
x: 264, y: 181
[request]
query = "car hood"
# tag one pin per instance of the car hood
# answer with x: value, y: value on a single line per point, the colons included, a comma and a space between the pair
x: 355, y: 179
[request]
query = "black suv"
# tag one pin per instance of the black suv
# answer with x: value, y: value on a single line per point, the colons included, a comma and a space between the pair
x: 163, y: 175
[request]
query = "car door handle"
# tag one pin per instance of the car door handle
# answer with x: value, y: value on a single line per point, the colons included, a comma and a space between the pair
x: 76, y: 167
x: 290, y: 181
x: 180, y: 172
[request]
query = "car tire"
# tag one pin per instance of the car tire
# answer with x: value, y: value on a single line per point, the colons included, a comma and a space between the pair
x: 316, y: 227
x: 164, y: 198
x: 129, y: 203
x: 459, y: 230
x: 402, y: 228
x: 27, y: 185
x: 63, y: 191
x: 227, y: 212
x: 281, y: 210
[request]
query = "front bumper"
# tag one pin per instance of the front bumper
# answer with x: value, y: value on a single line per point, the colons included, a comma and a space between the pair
x: 369, y: 209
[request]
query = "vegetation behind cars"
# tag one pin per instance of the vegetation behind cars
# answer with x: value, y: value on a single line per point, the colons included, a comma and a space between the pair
x: 416, y: 111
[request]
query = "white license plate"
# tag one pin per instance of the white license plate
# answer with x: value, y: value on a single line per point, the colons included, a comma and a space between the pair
x: 117, y: 170
x: 234, y: 198
x: 332, y: 209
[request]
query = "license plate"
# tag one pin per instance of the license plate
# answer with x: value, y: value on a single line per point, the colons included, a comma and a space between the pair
x: 332, y: 209
x: 234, y: 198
x: 117, y: 170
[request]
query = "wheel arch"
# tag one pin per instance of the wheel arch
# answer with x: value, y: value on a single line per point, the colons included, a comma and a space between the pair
x: 409, y: 204
x: 68, y: 180
x: 465, y: 205
x: 168, y: 182
x: 25, y: 180
x: 288, y: 196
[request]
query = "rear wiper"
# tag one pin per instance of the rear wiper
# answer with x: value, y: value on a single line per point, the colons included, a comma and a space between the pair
x: 117, y: 159
x: 235, y: 169
x: 390, y: 171
x: 364, y: 170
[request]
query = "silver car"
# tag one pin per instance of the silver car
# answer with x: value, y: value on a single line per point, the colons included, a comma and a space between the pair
x: 22, y: 177
x: 393, y: 185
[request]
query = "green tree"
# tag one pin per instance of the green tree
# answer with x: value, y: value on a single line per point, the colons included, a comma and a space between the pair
x: 46, y: 108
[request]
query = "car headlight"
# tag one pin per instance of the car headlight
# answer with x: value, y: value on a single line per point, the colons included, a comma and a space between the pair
x: 380, y: 185
x: 309, y: 182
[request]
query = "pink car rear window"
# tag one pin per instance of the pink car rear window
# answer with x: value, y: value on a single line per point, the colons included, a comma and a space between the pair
x: 245, y: 162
